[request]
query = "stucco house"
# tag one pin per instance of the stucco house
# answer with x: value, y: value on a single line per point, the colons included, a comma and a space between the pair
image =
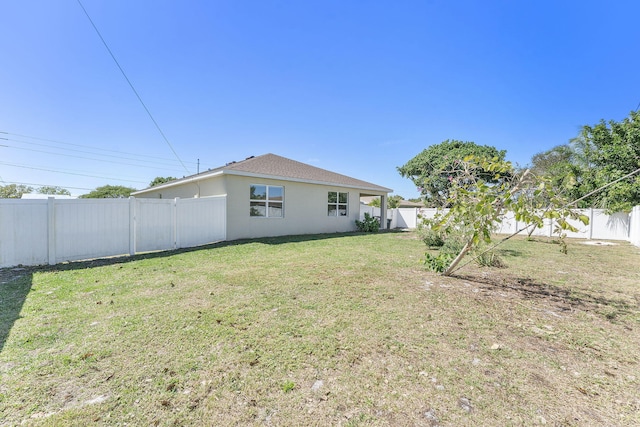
x: 270, y: 195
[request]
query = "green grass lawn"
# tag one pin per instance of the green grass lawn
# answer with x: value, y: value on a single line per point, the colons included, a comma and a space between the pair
x: 325, y: 330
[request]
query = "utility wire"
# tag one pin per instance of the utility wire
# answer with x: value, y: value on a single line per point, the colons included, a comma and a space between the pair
x: 89, y: 147
x: 69, y: 173
x: 165, y: 167
x: 133, y: 88
x: 48, y: 185
x: 529, y: 225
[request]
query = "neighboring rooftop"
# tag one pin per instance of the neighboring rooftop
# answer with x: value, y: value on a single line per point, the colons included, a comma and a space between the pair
x: 410, y: 204
x: 274, y: 166
x: 38, y: 196
x: 402, y: 204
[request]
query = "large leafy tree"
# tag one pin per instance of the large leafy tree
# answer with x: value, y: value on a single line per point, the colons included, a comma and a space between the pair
x: 14, y: 191
x: 563, y: 167
x: 433, y: 170
x: 161, y: 180
x: 392, y: 201
x: 109, y: 192
x: 612, y: 150
x: 54, y: 190
x: 554, y: 162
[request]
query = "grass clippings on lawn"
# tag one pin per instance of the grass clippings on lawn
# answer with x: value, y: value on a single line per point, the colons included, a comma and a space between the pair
x: 325, y: 330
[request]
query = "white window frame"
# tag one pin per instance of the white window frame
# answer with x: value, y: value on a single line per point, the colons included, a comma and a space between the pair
x: 267, y: 201
x: 337, y: 204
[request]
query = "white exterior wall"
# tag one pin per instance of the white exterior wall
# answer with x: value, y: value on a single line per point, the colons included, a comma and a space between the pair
x: 305, y: 206
x: 214, y: 186
x: 305, y: 210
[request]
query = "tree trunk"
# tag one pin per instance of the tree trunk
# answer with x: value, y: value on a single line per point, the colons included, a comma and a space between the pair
x: 455, y: 262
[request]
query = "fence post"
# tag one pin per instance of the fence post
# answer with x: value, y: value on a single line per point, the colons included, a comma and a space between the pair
x: 51, y: 230
x: 634, y: 226
x: 132, y: 225
x: 174, y: 217
x: 590, y: 223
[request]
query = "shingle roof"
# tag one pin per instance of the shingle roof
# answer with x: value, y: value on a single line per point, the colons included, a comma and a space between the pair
x: 274, y: 166
x: 278, y: 166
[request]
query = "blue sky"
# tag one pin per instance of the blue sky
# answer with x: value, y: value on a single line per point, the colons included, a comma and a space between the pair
x: 356, y: 87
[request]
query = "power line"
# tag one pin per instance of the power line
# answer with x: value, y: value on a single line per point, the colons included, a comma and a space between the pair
x: 86, y: 158
x: 48, y: 185
x: 145, y: 158
x: 84, y: 146
x: 69, y: 173
x: 133, y: 88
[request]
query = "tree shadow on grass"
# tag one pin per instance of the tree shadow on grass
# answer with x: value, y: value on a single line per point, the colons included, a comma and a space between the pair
x: 564, y: 298
x: 308, y: 237
x: 13, y: 294
x: 509, y: 252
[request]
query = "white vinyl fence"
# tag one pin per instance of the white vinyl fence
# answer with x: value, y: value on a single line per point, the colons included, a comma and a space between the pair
x: 634, y: 226
x: 34, y: 232
x: 619, y: 226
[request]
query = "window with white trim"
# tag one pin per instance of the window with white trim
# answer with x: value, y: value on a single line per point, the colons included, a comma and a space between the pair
x: 338, y: 204
x: 266, y: 201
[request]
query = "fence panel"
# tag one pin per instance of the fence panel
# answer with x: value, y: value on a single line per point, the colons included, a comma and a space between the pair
x: 201, y: 221
x: 90, y: 228
x: 405, y: 218
x: 509, y: 224
x: 371, y: 210
x: 36, y: 232
x: 618, y: 226
x: 584, y: 231
x: 634, y: 226
x: 23, y: 232
x: 154, y: 224
x: 612, y: 227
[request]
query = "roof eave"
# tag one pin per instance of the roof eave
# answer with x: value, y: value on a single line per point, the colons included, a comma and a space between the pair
x: 201, y: 177
x: 191, y: 179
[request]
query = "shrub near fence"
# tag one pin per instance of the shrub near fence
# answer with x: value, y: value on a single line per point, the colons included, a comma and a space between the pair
x: 34, y: 232
x: 618, y: 226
